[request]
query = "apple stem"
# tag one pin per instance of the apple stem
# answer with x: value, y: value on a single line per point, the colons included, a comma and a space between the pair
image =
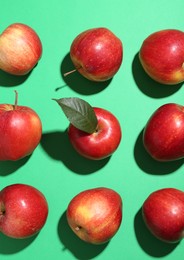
x: 77, y: 228
x: 2, y: 209
x: 72, y: 71
x: 69, y: 72
x: 16, y: 100
x: 97, y: 129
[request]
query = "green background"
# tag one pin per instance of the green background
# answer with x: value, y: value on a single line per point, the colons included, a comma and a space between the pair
x: 54, y: 167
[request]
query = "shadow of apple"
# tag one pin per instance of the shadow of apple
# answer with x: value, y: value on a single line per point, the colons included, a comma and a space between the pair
x: 80, y: 249
x: 147, y: 85
x: 148, y: 164
x: 8, y: 80
x: 77, y: 82
x: 8, y: 167
x: 150, y: 244
x: 58, y: 147
x: 11, y: 245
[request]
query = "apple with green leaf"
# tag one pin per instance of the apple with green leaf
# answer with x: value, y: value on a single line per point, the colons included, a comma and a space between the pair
x: 97, y: 54
x: 95, y: 215
x: 94, y: 132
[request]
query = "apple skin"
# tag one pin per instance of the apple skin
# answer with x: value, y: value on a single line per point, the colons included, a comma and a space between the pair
x: 162, y: 56
x: 23, y: 211
x: 103, y: 142
x: 20, y: 49
x: 20, y: 131
x: 95, y: 215
x: 97, y: 54
x: 163, y: 213
x: 163, y: 136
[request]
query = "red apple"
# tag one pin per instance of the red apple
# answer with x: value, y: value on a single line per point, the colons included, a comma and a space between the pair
x: 163, y: 136
x: 20, y: 49
x: 23, y: 211
x: 94, y: 132
x: 162, y: 56
x: 20, y: 131
x: 97, y: 54
x: 163, y: 213
x: 95, y: 215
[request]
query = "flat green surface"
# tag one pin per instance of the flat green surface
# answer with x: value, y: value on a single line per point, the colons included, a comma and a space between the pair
x: 54, y: 167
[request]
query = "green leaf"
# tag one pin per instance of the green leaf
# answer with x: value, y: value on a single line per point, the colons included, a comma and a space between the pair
x: 79, y: 113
